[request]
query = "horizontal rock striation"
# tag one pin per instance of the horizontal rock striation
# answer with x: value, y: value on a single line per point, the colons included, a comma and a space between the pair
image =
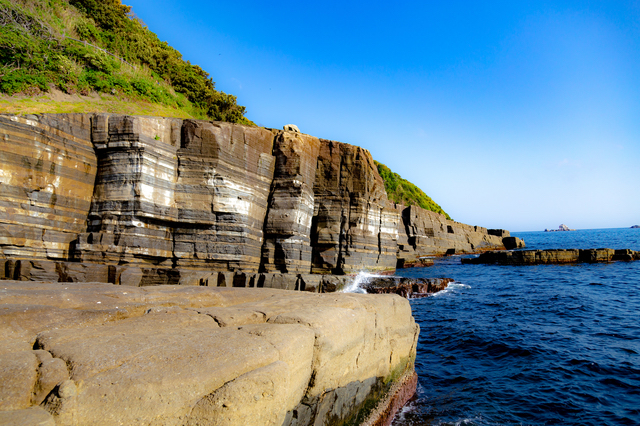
x: 425, y: 233
x: 151, y: 201
x: 543, y: 257
x: 102, y: 354
x: 354, y: 226
x: 48, y: 167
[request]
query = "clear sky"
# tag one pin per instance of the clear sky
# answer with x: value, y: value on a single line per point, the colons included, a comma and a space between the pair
x: 509, y: 114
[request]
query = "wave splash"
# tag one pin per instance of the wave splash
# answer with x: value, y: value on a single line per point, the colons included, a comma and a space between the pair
x: 361, y: 278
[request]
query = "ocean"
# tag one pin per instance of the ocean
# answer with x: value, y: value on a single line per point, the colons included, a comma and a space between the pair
x: 531, y: 345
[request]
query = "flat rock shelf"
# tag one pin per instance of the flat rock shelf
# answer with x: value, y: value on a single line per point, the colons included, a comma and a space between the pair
x: 557, y: 256
x: 96, y: 353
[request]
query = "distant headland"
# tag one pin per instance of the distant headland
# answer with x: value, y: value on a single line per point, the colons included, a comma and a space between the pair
x: 562, y: 227
x: 635, y: 227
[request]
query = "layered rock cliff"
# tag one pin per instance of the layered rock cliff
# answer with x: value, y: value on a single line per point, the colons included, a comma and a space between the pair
x: 143, y: 200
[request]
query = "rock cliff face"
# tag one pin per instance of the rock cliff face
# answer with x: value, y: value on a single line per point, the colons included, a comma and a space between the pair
x: 425, y: 233
x: 79, y: 354
x: 143, y: 201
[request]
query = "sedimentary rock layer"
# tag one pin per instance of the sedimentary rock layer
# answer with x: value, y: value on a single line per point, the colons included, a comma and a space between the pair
x: 424, y: 233
x: 103, y: 354
x: 159, y: 197
x: 355, y: 227
x: 537, y: 257
x: 47, y: 170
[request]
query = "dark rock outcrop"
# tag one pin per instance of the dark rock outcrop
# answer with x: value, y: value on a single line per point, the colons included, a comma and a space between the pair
x: 405, y: 287
x: 537, y: 257
x: 511, y: 243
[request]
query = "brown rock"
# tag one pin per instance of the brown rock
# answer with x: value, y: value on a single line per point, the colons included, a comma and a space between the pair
x: 354, y: 227
x: 536, y: 257
x: 33, y: 416
x: 244, y: 355
x: 18, y: 375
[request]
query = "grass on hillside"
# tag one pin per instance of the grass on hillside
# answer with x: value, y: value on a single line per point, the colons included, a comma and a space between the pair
x: 402, y: 191
x: 54, y: 102
x: 38, y: 52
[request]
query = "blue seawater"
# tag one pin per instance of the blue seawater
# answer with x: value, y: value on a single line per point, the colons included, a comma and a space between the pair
x: 531, y: 345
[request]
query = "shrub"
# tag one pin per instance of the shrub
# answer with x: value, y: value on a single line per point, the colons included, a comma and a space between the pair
x: 402, y: 191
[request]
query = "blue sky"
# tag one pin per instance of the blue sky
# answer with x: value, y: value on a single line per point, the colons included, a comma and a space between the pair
x: 509, y: 114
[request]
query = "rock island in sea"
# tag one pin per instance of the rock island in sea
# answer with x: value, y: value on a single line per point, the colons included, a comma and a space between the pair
x: 145, y: 262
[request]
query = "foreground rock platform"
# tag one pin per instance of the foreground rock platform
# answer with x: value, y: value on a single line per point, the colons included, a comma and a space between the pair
x: 558, y: 256
x: 92, y: 353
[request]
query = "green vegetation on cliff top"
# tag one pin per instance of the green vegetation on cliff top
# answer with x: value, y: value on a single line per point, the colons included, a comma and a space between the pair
x: 402, y: 191
x: 82, y: 47
x: 96, y: 55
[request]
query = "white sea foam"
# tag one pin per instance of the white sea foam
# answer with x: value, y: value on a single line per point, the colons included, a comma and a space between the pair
x: 453, y: 287
x: 355, y: 286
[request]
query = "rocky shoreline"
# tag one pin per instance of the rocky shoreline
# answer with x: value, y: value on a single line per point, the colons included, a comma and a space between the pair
x: 144, y: 261
x: 559, y: 256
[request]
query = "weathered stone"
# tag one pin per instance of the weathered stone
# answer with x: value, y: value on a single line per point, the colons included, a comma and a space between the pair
x: 36, y: 270
x: 85, y: 272
x: 51, y: 373
x: 169, y: 196
x: 511, y: 243
x: 311, y: 282
x: 33, y: 416
x: 333, y: 283
x: 287, y: 246
x: 225, y: 174
x: 405, y: 287
x: 354, y: 228
x: 182, y: 355
x: 46, y: 187
x: 291, y: 128
x: 18, y: 375
x: 536, y: 257
x: 279, y: 281
x: 425, y: 233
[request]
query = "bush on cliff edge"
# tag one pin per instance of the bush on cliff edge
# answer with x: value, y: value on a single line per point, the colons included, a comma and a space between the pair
x: 402, y: 191
x: 37, y: 51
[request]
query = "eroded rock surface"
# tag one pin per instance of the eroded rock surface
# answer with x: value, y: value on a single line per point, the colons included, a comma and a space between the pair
x: 406, y: 287
x: 166, y: 355
x: 151, y: 201
x: 537, y: 257
x: 424, y: 233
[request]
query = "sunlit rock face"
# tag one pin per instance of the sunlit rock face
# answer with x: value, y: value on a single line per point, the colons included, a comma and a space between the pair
x: 133, y: 206
x: 159, y: 199
x: 224, y: 177
x: 172, y: 193
x: 425, y: 233
x: 47, y: 171
x: 354, y: 228
x: 287, y: 245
